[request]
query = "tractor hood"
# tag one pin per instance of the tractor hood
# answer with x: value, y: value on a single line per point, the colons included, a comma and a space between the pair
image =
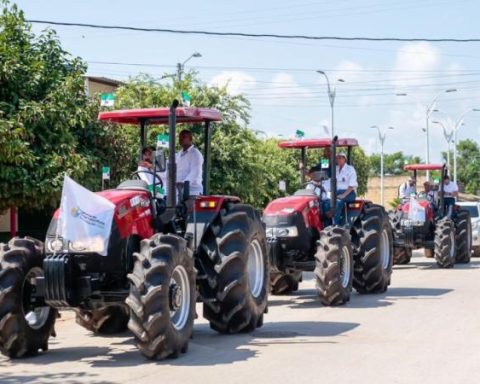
x: 287, y: 205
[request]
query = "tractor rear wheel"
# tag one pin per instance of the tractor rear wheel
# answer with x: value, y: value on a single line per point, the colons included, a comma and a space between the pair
x: 233, y: 270
x: 107, y: 320
x: 373, y: 251
x: 284, y: 283
x: 402, y: 256
x: 463, y: 237
x: 445, y: 250
x: 162, y: 296
x: 24, y: 327
x: 334, y: 266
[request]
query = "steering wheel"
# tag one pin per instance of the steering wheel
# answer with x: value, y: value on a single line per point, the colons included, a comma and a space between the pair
x: 155, y: 176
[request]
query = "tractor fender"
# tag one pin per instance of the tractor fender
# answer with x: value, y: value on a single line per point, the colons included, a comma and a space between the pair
x: 206, y: 209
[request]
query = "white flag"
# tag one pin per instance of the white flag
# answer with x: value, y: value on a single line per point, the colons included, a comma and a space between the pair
x: 85, y: 218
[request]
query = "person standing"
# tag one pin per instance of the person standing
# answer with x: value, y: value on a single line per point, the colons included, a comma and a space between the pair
x: 346, y: 185
x: 189, y: 164
x: 450, y: 193
x: 407, y: 189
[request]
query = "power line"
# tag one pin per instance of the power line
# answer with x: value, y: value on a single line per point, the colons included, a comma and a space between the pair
x: 269, y: 35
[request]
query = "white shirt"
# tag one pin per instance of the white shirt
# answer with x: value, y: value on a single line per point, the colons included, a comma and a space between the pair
x: 451, y: 187
x: 405, y: 190
x: 190, y: 168
x: 346, y: 177
x: 323, y: 194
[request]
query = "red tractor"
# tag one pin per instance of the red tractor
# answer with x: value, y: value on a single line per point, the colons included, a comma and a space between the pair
x: 161, y: 258
x: 356, y: 252
x: 446, y: 236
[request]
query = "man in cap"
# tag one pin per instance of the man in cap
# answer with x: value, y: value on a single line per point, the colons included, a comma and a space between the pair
x: 408, y: 188
x: 346, y: 185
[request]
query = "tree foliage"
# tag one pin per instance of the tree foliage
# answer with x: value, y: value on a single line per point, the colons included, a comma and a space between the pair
x: 393, y: 163
x: 468, y: 165
x: 47, y: 123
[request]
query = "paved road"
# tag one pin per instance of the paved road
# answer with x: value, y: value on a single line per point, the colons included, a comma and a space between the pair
x: 425, y: 329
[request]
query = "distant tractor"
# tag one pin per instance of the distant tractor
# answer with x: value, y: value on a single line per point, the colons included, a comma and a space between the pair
x: 446, y: 237
x: 356, y: 252
x: 161, y: 258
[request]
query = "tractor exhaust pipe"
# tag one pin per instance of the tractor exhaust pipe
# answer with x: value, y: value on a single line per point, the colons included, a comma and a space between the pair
x: 172, y: 166
x: 333, y: 174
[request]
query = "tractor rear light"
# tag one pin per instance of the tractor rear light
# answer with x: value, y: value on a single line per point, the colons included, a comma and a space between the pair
x: 355, y: 205
x: 208, y: 204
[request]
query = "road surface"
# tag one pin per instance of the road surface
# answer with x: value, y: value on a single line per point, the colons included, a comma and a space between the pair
x: 425, y: 329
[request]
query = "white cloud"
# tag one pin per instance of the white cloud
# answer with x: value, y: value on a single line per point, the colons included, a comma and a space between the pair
x: 413, y: 62
x: 236, y: 82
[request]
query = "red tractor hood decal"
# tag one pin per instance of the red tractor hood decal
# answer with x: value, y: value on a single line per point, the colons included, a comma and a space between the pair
x: 287, y: 205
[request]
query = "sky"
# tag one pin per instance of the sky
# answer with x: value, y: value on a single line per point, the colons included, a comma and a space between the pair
x: 386, y: 84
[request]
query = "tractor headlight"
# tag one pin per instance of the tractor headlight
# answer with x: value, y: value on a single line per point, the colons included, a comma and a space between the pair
x: 93, y: 245
x: 54, y: 245
x: 282, y: 232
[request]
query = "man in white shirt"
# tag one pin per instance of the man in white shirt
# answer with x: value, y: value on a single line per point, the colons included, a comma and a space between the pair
x: 450, y: 192
x: 407, y: 189
x: 189, y: 164
x: 346, y: 185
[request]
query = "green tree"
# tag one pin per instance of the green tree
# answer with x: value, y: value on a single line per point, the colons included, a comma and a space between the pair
x: 47, y: 123
x: 393, y: 163
x: 468, y: 165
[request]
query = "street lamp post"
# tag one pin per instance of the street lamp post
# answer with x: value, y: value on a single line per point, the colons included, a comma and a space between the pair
x: 381, y: 137
x: 331, y: 97
x: 448, y: 138
x: 181, y: 66
x: 429, y: 110
x: 458, y: 124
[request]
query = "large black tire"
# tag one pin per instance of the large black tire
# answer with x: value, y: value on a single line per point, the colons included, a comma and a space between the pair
x: 234, y: 244
x: 445, y: 250
x: 372, y: 250
x: 463, y: 237
x: 162, y: 296
x: 402, y: 256
x: 21, y: 260
x: 107, y: 320
x: 284, y: 283
x: 334, y: 266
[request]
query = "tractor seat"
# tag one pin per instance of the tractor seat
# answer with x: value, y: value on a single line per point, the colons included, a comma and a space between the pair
x: 134, y: 185
x: 304, y: 192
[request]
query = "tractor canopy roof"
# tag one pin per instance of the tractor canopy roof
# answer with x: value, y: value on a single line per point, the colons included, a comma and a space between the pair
x: 423, y: 167
x: 317, y: 143
x: 160, y: 115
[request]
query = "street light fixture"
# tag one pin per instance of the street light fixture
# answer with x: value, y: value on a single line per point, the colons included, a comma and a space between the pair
x: 331, y: 96
x: 428, y: 112
x: 381, y: 137
x: 181, y: 66
x: 448, y: 137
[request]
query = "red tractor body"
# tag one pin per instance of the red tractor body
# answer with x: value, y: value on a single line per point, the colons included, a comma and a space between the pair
x: 299, y: 233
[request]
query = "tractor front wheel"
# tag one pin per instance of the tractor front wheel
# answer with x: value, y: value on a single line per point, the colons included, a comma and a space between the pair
x: 107, y: 320
x: 25, y: 326
x: 402, y: 256
x: 334, y: 266
x: 284, y: 283
x: 162, y: 296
